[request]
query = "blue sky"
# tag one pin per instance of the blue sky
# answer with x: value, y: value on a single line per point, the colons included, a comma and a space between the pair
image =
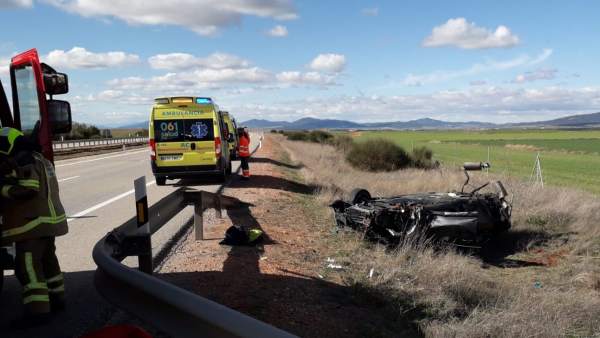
x: 283, y: 59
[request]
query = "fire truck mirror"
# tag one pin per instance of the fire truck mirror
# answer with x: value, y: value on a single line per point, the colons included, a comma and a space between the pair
x: 60, y: 116
x: 56, y: 83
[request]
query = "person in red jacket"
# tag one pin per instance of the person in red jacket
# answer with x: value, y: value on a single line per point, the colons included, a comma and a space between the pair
x: 244, y: 152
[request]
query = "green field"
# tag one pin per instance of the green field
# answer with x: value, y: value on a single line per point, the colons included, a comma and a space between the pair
x: 569, y: 158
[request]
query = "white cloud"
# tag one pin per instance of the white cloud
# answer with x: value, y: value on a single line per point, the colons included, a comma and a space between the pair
x: 538, y: 74
x: 460, y: 33
x: 16, y: 3
x: 373, y: 11
x: 478, y: 68
x: 333, y: 63
x: 314, y: 78
x: 478, y: 83
x: 489, y: 104
x: 180, y: 61
x: 204, y: 17
x: 79, y: 57
x: 278, y: 31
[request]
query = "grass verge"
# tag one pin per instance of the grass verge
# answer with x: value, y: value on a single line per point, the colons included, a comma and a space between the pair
x: 544, y: 280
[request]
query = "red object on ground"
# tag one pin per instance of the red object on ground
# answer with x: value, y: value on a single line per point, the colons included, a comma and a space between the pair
x: 119, y: 331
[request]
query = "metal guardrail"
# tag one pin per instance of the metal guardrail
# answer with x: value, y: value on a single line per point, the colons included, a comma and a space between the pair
x: 73, y: 144
x: 167, y: 307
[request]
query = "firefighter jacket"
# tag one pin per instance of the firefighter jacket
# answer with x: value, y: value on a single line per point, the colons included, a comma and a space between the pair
x: 244, y: 145
x: 30, y: 204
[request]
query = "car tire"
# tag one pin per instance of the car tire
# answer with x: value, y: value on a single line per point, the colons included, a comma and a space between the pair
x: 359, y: 196
x: 161, y: 181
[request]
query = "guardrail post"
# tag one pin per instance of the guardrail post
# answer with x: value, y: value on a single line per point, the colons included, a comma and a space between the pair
x: 198, y: 218
x: 141, y: 207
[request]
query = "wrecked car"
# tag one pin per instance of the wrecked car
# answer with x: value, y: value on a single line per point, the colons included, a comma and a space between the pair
x: 460, y: 218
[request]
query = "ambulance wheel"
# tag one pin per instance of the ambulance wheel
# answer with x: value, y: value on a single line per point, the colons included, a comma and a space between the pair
x: 161, y: 181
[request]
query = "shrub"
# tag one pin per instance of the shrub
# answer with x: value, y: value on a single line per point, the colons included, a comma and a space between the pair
x: 273, y: 131
x: 342, y: 143
x: 378, y: 155
x: 316, y: 136
x: 319, y: 136
x: 422, y: 158
x: 296, y: 135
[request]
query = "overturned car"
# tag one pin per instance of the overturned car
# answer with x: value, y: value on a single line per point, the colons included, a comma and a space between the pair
x: 461, y: 218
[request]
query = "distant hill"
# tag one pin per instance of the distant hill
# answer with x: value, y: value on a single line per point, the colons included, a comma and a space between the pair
x: 573, y: 121
x: 577, y: 121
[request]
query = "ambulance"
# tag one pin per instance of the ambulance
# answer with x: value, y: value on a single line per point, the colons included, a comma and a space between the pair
x: 188, y: 138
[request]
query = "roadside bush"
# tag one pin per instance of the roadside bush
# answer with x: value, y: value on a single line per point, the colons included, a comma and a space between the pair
x: 342, y: 143
x: 273, y: 131
x: 316, y: 136
x: 378, y: 155
x: 319, y: 136
x: 422, y: 158
x: 296, y: 135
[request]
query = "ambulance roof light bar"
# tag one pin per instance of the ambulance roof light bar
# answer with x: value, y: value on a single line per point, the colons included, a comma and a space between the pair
x: 204, y: 100
x: 162, y: 100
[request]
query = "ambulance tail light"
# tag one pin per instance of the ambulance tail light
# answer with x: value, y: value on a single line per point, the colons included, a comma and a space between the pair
x: 218, y: 147
x: 152, y: 149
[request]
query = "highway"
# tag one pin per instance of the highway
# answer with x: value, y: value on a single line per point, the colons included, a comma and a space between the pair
x: 97, y: 193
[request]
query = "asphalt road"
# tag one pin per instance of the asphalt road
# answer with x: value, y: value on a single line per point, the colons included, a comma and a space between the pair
x: 97, y: 193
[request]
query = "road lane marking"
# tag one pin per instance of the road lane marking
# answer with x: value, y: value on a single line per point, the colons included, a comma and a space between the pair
x: 105, y: 203
x: 67, y: 179
x: 101, y: 158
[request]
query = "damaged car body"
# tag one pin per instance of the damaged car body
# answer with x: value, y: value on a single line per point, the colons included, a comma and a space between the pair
x: 461, y: 218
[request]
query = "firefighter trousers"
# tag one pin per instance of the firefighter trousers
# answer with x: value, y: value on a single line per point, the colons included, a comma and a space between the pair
x: 38, y: 271
x: 245, y: 166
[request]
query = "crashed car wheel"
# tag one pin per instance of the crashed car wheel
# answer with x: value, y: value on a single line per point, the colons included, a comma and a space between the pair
x: 359, y: 196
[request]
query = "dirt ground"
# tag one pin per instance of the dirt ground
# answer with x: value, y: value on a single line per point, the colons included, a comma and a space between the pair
x: 281, y: 281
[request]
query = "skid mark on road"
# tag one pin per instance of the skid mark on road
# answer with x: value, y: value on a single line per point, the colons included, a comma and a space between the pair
x: 101, y: 158
x: 105, y: 203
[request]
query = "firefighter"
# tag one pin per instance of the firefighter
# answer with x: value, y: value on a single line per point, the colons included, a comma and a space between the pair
x: 32, y: 216
x: 244, y: 152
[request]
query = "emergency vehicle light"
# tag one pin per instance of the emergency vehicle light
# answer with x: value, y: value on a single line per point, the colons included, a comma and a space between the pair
x: 182, y: 99
x: 162, y: 100
x: 204, y: 100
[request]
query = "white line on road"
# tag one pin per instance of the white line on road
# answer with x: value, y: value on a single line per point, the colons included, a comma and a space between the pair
x: 67, y: 179
x: 101, y: 158
x: 105, y: 203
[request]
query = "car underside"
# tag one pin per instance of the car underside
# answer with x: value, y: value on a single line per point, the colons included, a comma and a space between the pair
x: 460, y: 218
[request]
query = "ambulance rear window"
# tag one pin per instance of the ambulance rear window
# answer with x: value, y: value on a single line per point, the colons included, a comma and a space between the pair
x: 183, y: 130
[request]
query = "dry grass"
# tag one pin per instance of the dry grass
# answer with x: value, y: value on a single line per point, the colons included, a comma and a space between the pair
x: 450, y: 294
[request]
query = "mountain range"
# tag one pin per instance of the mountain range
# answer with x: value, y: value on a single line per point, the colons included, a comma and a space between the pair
x: 572, y: 121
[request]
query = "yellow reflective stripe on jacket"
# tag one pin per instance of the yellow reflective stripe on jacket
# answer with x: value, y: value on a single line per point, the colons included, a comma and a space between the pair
x: 30, y: 183
x: 56, y: 278
x: 5, y: 191
x: 36, y: 298
x: 31, y: 225
x: 35, y: 286
x: 29, y: 267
